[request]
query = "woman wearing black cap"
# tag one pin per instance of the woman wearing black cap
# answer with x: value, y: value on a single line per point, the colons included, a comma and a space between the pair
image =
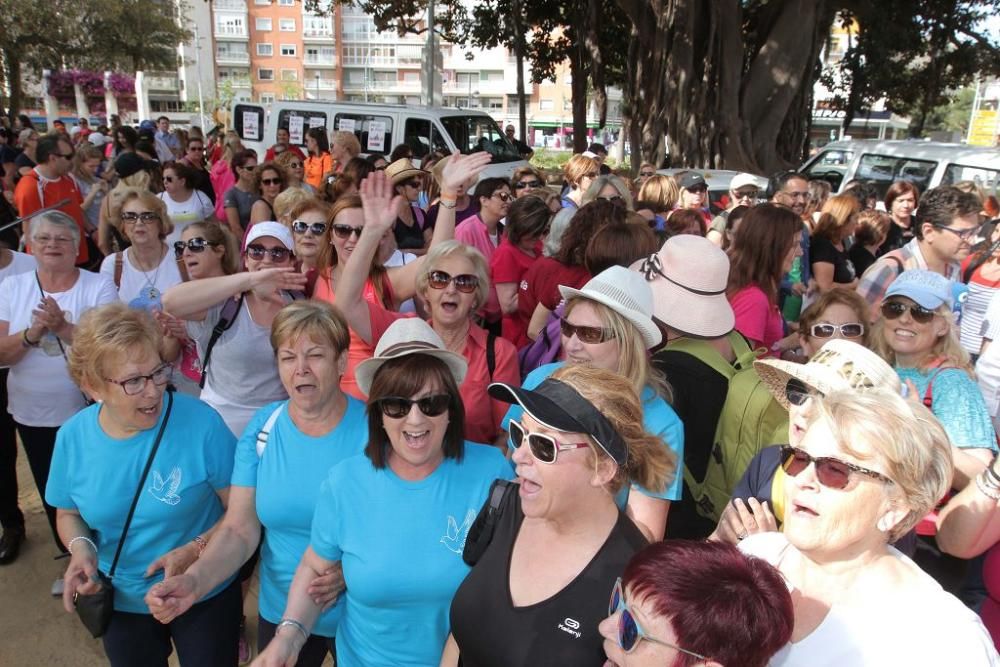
x: 560, y: 541
x: 133, y: 171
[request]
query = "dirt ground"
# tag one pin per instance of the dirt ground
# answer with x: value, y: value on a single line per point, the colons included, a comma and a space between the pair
x: 35, y: 631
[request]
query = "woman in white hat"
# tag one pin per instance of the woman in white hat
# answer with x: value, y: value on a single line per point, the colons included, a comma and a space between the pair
x: 608, y: 323
x: 240, y: 374
x: 410, y: 231
x: 396, y: 518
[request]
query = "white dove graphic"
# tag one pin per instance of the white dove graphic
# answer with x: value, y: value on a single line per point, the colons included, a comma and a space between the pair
x: 165, y: 490
x: 455, y: 536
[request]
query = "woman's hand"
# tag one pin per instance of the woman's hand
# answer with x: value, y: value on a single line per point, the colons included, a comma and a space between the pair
x: 174, y: 562
x: 461, y: 169
x: 325, y: 589
x: 379, y: 202
x: 741, y: 519
x: 266, y: 283
x: 49, y: 315
x: 81, y: 576
x: 282, y: 651
x: 171, y: 326
x: 172, y: 597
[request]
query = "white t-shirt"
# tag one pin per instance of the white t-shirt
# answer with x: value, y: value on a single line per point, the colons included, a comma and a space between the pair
x: 143, y: 289
x: 195, y: 209
x: 20, y: 263
x: 400, y: 258
x: 988, y: 365
x: 920, y: 626
x: 39, y: 389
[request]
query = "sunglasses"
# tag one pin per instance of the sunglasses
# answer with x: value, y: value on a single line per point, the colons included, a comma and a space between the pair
x: 543, y: 447
x: 647, y: 174
x: 257, y: 252
x: 746, y: 194
x: 168, y: 179
x: 614, y: 199
x: 851, y: 330
x: 196, y: 148
x: 629, y: 632
x: 465, y: 283
x: 344, y: 231
x: 301, y: 227
x: 503, y: 196
x: 797, y: 392
x: 270, y: 181
x: 701, y: 189
x: 527, y: 184
x: 145, y: 216
x: 831, y: 473
x: 893, y: 310
x: 589, y: 335
x: 249, y: 167
x: 196, y: 244
x: 294, y: 165
x: 412, y: 183
x: 397, y: 407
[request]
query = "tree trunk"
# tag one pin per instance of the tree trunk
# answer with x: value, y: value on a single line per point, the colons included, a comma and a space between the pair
x: 13, y: 74
x: 579, y: 91
x: 522, y: 107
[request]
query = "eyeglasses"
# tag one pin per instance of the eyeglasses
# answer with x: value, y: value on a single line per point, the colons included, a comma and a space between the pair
x: 270, y: 181
x: 629, y: 632
x: 614, y: 199
x: 747, y: 194
x: 397, y: 407
x: 196, y: 244
x: 196, y: 148
x: 168, y: 179
x: 893, y: 310
x: 543, y: 447
x: 503, y: 196
x: 344, y: 231
x: 964, y: 234
x: 135, y: 385
x: 248, y: 167
x: 797, y: 392
x: 145, y: 217
x: 589, y: 335
x: 824, y: 330
x: 647, y: 174
x: 65, y: 157
x: 831, y: 473
x: 257, y: 252
x: 465, y: 283
x: 45, y: 239
x: 527, y: 184
x: 294, y: 165
x: 301, y: 227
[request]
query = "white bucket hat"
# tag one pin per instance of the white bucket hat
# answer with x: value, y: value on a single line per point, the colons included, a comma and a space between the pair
x: 839, y: 365
x: 624, y: 292
x: 407, y: 336
x: 688, y: 278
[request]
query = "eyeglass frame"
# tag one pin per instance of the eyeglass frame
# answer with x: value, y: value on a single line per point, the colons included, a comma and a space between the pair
x: 145, y: 379
x: 301, y: 227
x: 277, y: 253
x: 619, y: 591
x: 966, y: 235
x: 787, y: 451
x: 450, y: 279
x: 526, y: 435
x: 837, y: 328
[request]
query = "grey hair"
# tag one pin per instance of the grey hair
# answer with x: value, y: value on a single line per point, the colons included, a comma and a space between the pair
x: 599, y: 184
x: 56, y: 219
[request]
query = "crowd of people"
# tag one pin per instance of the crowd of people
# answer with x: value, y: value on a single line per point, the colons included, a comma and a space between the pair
x: 458, y: 420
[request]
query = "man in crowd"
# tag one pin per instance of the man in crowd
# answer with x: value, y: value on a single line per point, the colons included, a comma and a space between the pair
x: 168, y: 139
x: 283, y: 144
x: 195, y: 158
x: 523, y: 149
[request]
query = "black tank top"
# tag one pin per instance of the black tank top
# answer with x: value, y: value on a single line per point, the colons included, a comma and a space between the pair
x: 561, y: 630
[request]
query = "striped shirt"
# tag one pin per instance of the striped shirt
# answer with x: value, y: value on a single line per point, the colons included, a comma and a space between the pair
x: 879, y: 276
x: 981, y: 292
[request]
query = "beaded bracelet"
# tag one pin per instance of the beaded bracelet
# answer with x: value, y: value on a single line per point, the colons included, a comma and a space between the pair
x: 986, y: 487
x: 69, y: 547
x: 202, y: 544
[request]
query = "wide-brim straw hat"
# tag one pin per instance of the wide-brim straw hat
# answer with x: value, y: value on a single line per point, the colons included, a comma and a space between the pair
x: 401, y: 170
x: 404, y: 337
x: 624, y: 292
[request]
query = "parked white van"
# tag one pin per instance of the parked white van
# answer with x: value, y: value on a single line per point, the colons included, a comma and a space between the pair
x: 927, y: 164
x: 380, y: 128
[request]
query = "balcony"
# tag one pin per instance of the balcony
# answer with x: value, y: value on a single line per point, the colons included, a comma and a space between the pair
x: 230, y: 31
x: 232, y: 58
x: 311, y: 60
x: 163, y: 83
x: 230, y: 5
x: 324, y: 84
x: 317, y: 33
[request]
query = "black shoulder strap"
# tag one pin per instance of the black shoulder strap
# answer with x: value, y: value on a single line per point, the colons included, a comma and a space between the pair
x: 142, y: 483
x: 491, y: 353
x: 481, y: 533
x: 898, y: 261
x: 226, y: 318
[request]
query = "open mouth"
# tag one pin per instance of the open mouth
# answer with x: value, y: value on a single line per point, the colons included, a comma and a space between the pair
x: 150, y: 411
x: 416, y: 439
x: 803, y: 511
x: 305, y: 388
x: 528, y: 487
x: 904, y: 333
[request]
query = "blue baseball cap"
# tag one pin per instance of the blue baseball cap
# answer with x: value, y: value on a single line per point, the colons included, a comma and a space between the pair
x: 926, y: 288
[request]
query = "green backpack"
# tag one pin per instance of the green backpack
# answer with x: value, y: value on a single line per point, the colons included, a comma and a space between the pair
x: 750, y: 420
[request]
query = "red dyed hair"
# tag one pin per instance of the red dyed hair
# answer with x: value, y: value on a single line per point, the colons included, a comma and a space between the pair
x: 732, y: 608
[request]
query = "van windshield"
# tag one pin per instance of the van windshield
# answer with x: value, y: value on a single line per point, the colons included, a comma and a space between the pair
x: 987, y: 179
x: 480, y: 133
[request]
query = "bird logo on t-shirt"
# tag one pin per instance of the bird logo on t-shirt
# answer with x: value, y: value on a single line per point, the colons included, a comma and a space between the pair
x: 454, y: 537
x: 165, y: 490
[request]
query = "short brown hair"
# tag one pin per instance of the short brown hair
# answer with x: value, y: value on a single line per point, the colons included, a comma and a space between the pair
x: 258, y: 173
x: 872, y: 226
x: 619, y: 244
x: 527, y: 216
x: 213, y: 232
x: 147, y: 199
x: 837, y: 295
x: 318, y: 320
x: 405, y: 376
x: 108, y: 334
x: 587, y: 220
x: 579, y: 166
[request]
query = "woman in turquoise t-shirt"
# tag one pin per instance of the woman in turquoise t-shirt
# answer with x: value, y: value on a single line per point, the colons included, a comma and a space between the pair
x: 396, y: 517
x: 282, y: 458
x: 100, y: 455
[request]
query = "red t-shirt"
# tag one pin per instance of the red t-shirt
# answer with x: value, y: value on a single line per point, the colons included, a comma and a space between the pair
x: 509, y: 265
x: 540, y: 285
x: 33, y: 193
x: 269, y: 155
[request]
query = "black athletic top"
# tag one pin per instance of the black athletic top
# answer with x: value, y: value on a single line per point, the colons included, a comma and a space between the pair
x: 561, y: 630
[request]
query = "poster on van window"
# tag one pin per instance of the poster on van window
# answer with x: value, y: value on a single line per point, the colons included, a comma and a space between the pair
x: 316, y: 121
x: 251, y: 129
x: 296, y: 125
x: 345, y: 125
x: 376, y: 136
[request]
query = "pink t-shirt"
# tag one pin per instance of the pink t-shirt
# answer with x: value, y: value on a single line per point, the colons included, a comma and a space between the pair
x: 757, y: 318
x: 472, y: 232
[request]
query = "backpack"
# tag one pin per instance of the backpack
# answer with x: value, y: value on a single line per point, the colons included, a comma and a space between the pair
x: 546, y: 347
x: 750, y: 421
x: 265, y: 431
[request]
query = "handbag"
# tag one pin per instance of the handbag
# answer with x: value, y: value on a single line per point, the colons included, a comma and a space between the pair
x: 95, y: 610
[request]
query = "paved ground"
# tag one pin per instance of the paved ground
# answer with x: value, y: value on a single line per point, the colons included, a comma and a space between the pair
x: 34, y: 629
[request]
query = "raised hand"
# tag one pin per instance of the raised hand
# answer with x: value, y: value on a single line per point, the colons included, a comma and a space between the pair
x: 380, y: 202
x: 171, y: 326
x: 740, y: 519
x: 461, y: 169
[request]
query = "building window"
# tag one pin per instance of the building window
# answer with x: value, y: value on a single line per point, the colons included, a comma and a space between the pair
x: 286, y: 25
x: 288, y: 50
x: 545, y: 105
x: 289, y: 75
x: 261, y: 2
x: 491, y: 75
x: 263, y: 25
x: 265, y: 49
x: 286, y: 3
x: 493, y: 103
x: 267, y: 99
x: 265, y: 74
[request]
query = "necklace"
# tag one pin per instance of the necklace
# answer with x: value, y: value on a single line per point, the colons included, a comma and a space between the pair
x: 149, y: 292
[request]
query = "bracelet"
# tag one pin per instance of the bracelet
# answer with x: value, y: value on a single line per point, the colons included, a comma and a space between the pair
x: 69, y: 547
x: 27, y: 342
x: 993, y: 473
x: 202, y: 544
x: 448, y: 203
x: 986, y: 488
x: 295, y: 624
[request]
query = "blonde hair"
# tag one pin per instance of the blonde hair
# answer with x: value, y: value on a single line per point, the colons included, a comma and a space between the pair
x: 633, y: 357
x: 661, y: 191
x: 85, y: 151
x: 651, y: 463
x: 456, y: 248
x: 287, y: 201
x: 579, y: 166
x: 147, y: 199
x: 599, y: 184
x: 318, y: 320
x: 837, y: 214
x: 108, y: 334
x: 946, y: 348
x: 346, y: 140
x: 906, y: 440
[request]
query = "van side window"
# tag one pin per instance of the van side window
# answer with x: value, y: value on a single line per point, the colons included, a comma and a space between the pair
x: 830, y: 166
x: 374, y: 132
x: 248, y: 121
x: 882, y: 170
x: 422, y: 137
x: 288, y: 119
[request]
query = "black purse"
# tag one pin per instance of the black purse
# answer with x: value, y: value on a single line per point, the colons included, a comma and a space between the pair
x: 95, y: 610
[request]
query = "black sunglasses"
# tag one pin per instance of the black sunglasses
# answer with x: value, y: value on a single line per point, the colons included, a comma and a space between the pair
x: 196, y: 244
x: 797, y: 392
x: 397, y: 407
x: 527, y: 184
x: 589, y: 335
x: 270, y: 181
x: 831, y: 472
x: 893, y: 310
x: 301, y: 227
x: 344, y: 231
x: 257, y: 252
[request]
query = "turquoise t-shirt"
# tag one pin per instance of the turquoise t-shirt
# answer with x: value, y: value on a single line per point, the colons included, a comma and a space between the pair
x: 401, y: 547
x: 958, y: 404
x: 658, y: 417
x: 287, y: 477
x: 96, y: 475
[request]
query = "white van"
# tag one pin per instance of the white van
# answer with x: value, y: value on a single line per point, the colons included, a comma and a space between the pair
x: 927, y: 164
x: 380, y: 128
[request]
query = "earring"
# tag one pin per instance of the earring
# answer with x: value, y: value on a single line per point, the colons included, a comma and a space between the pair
x: 883, y: 524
